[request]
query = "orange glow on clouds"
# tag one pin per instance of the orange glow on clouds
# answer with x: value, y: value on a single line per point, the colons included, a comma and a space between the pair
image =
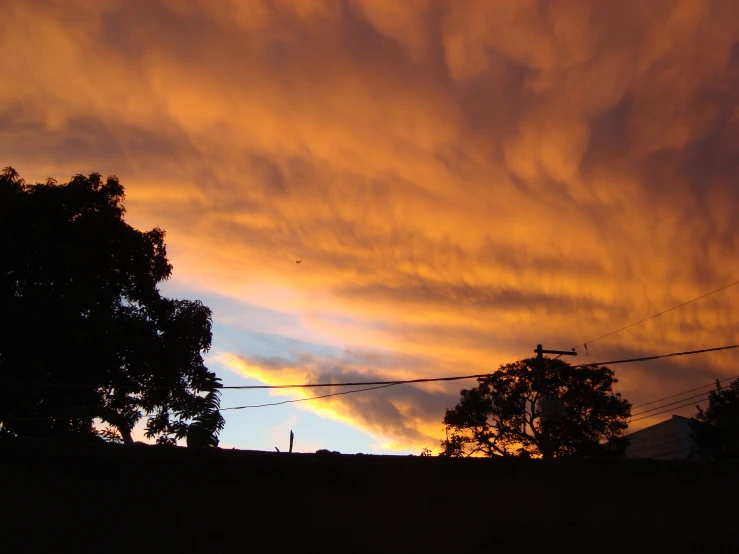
x: 462, y: 180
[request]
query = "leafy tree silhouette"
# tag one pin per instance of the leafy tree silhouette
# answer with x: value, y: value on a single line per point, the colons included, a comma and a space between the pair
x: 501, y: 416
x: 88, y: 334
x: 716, y: 429
x: 204, y: 431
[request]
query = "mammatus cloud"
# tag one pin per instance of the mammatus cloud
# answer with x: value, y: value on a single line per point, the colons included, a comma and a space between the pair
x: 462, y: 180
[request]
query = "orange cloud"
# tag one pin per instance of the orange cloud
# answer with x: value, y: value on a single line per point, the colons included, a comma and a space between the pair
x: 462, y: 180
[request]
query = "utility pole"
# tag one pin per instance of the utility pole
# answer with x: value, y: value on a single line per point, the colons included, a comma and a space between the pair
x: 548, y: 401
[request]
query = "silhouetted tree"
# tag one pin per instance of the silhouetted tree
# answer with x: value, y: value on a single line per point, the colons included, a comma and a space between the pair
x: 204, y: 431
x: 87, y: 333
x: 716, y: 429
x: 502, y: 417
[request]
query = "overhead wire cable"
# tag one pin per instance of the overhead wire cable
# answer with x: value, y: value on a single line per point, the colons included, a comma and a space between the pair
x: 355, y: 384
x: 384, y: 384
x: 672, y: 403
x: 309, y: 398
x: 647, y: 358
x: 686, y: 392
x: 658, y: 314
x: 629, y: 326
x: 667, y: 411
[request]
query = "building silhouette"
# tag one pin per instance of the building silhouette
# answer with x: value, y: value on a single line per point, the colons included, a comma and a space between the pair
x: 671, y: 439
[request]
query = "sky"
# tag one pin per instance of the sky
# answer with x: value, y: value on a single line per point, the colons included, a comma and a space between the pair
x: 462, y: 180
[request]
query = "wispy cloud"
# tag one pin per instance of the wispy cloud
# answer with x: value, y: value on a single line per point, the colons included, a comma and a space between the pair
x: 462, y: 180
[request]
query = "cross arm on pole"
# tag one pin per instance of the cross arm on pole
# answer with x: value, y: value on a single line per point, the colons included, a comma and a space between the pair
x: 546, y: 448
x: 540, y: 351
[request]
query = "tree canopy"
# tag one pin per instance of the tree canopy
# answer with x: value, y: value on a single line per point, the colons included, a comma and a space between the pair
x: 716, y: 432
x: 502, y: 415
x: 87, y: 333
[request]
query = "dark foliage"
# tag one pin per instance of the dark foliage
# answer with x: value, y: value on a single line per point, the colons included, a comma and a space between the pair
x: 716, y: 430
x: 87, y: 333
x: 204, y: 431
x: 501, y: 417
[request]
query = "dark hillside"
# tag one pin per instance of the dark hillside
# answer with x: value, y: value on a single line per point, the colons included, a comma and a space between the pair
x: 61, y: 497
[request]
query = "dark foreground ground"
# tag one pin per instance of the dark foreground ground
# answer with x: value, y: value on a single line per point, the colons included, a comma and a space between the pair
x: 108, y: 498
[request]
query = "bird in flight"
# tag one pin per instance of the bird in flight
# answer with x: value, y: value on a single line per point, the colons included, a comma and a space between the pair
x: 298, y: 261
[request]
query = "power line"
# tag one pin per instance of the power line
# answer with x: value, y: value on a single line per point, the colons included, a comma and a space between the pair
x: 683, y: 402
x: 657, y: 315
x: 667, y: 411
x: 458, y: 378
x: 383, y: 384
x: 235, y: 407
x: 672, y: 403
x: 685, y: 392
x: 646, y: 358
x: 391, y: 383
x: 310, y: 398
x: 398, y: 382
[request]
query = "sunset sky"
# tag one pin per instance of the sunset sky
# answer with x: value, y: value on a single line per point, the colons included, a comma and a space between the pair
x: 462, y: 180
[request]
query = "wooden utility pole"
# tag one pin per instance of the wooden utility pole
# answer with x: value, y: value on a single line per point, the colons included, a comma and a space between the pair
x: 543, y: 384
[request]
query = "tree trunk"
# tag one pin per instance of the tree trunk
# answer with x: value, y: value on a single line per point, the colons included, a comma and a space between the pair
x: 126, y: 435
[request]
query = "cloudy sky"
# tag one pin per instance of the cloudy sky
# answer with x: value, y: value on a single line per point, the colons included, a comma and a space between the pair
x: 461, y: 180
